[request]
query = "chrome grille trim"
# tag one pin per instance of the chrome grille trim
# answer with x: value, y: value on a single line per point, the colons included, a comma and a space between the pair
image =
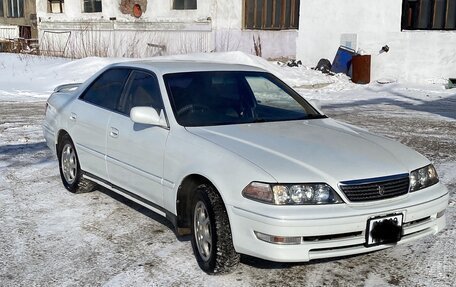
x: 375, y: 188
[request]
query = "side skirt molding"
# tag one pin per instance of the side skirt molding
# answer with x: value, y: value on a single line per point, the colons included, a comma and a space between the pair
x: 134, y: 197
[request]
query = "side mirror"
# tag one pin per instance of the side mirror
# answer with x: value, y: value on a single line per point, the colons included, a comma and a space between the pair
x: 148, y: 116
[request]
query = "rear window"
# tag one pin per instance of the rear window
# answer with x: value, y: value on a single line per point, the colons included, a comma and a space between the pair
x: 105, y: 91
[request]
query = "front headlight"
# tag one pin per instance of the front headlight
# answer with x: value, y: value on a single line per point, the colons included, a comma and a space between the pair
x: 291, y: 194
x: 423, y: 177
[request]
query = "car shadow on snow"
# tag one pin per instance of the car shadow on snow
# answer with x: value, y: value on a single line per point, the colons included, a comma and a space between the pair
x: 245, y: 259
x: 143, y: 210
x: 266, y: 264
x: 25, y: 154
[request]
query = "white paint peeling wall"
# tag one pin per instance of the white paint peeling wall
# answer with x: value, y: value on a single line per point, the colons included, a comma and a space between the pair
x: 414, y: 55
x: 160, y: 30
x: 215, y: 26
x: 157, y: 10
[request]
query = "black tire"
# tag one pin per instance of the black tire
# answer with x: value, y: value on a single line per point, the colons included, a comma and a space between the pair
x: 222, y: 257
x: 72, y: 180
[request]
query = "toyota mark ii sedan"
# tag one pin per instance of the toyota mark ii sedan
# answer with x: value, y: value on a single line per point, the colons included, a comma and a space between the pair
x: 233, y: 156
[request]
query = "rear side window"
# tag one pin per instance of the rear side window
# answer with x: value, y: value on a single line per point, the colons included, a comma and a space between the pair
x: 105, y: 91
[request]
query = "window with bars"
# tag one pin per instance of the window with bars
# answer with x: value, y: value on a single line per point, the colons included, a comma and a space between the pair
x: 429, y: 15
x: 15, y: 8
x: 184, y: 4
x: 91, y: 6
x: 56, y: 6
x: 271, y: 14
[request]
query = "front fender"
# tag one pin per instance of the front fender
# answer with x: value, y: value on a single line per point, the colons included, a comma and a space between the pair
x: 188, y: 154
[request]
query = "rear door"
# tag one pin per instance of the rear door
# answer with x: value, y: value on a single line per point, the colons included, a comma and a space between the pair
x: 89, y: 119
x: 135, y: 151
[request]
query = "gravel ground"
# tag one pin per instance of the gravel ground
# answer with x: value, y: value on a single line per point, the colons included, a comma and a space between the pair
x: 50, y: 237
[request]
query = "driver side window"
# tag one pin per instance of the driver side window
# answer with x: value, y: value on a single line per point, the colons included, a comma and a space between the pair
x: 143, y: 91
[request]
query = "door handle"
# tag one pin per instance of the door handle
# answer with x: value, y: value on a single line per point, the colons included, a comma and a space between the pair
x: 73, y: 117
x: 114, y: 132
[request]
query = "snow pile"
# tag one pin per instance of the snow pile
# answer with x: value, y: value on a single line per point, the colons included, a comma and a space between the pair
x: 36, y: 76
x: 294, y: 76
x: 28, y: 77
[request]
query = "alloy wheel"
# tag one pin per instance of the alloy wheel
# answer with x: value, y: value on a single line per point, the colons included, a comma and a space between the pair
x: 203, y: 232
x: 69, y: 163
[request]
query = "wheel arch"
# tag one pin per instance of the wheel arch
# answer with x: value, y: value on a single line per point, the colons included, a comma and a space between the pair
x: 184, y: 201
x: 60, y: 134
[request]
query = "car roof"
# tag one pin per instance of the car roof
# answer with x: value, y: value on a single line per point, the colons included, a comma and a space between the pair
x: 180, y: 66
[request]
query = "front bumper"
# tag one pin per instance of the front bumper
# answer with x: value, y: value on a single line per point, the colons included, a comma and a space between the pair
x: 338, y: 233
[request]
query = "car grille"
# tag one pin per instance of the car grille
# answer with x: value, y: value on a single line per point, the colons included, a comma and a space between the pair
x: 376, y: 188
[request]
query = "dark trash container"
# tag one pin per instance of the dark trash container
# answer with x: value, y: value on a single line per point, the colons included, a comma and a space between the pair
x: 361, y: 69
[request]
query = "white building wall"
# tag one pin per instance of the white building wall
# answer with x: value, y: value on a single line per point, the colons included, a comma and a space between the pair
x: 157, y: 10
x: 215, y: 25
x: 413, y: 55
x: 160, y: 30
x: 229, y: 34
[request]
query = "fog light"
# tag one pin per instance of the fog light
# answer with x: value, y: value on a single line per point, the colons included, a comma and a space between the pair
x: 440, y: 213
x: 285, y: 240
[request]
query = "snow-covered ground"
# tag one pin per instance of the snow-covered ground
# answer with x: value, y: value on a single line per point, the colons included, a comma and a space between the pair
x: 50, y: 237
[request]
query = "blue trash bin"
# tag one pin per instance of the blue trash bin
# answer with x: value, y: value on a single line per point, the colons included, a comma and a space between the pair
x: 342, y: 61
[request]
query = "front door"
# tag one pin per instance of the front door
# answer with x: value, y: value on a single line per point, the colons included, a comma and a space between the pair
x: 135, y: 151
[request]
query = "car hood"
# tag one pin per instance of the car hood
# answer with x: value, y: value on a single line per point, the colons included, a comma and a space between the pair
x: 313, y: 150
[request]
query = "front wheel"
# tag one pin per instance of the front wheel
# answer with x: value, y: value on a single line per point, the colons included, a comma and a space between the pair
x: 211, y: 233
x: 70, y: 169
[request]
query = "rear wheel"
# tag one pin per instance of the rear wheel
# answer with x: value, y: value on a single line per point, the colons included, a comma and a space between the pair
x: 70, y: 169
x: 211, y: 233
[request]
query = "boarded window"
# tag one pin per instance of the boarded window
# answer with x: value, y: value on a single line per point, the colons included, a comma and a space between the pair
x: 15, y: 8
x: 184, y: 4
x: 25, y: 32
x: 271, y: 14
x: 429, y: 15
x: 56, y: 6
x: 91, y: 6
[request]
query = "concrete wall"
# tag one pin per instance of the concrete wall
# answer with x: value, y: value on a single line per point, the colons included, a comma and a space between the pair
x: 413, y: 56
x: 215, y: 25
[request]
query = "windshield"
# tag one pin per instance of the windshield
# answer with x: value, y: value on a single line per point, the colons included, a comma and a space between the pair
x: 233, y: 97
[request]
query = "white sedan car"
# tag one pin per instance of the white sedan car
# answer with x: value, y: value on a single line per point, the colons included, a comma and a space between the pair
x: 235, y: 157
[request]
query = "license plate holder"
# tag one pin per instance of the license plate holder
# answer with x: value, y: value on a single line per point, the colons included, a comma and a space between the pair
x: 384, y: 229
